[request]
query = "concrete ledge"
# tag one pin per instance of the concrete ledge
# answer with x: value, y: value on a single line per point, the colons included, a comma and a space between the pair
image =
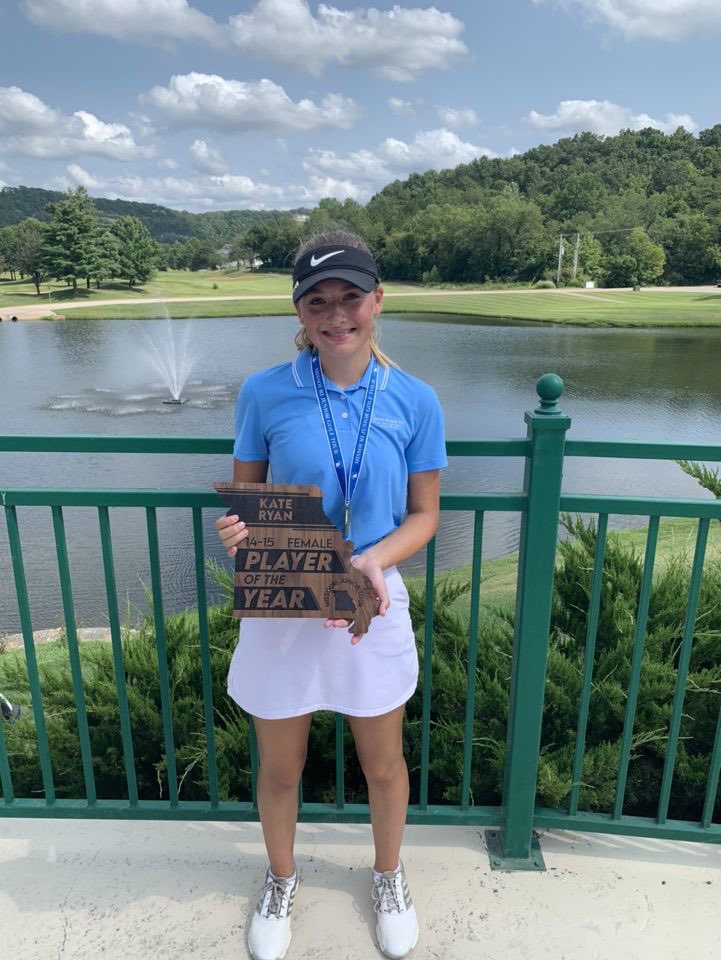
x: 133, y: 891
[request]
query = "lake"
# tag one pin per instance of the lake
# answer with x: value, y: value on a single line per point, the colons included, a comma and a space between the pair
x: 99, y: 378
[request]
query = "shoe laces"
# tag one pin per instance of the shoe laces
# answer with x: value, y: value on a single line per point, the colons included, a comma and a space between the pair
x: 388, y: 893
x: 276, y: 900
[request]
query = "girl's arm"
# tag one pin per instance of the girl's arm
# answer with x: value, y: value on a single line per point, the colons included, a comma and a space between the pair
x: 419, y: 525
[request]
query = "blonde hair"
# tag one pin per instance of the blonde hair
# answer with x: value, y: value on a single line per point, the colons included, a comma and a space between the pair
x: 347, y: 239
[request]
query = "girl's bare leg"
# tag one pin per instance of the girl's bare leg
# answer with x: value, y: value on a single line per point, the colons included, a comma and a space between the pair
x: 379, y: 744
x: 282, y: 748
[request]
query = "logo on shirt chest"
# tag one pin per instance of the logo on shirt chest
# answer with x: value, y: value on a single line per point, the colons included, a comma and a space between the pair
x: 388, y: 423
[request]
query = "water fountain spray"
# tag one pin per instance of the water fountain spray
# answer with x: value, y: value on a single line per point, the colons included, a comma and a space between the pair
x: 172, y: 359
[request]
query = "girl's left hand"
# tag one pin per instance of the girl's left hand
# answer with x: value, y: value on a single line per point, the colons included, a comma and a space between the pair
x: 374, y: 572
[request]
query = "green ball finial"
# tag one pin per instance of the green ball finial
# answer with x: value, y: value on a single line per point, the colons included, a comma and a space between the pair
x: 549, y: 388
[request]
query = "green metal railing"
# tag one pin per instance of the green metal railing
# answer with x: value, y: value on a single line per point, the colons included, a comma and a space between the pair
x: 539, y: 505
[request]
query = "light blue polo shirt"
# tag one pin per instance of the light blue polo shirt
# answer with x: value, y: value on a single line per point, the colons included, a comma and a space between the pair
x: 277, y: 419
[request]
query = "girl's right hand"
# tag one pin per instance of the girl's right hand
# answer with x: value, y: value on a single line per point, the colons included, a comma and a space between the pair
x: 231, y: 531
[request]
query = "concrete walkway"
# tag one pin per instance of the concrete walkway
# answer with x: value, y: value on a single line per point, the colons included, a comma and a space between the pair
x: 76, y: 890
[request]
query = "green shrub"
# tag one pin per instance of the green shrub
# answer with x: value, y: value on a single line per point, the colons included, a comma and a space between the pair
x: 140, y: 667
x: 618, y: 612
x: 431, y: 277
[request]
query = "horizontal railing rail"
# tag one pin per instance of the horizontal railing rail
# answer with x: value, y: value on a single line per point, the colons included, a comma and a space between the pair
x: 511, y: 447
x: 540, y: 506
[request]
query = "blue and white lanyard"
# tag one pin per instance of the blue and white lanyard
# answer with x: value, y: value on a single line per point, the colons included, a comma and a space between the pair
x: 346, y: 483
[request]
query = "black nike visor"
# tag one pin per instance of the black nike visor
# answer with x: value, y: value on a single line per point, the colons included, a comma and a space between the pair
x: 334, y: 263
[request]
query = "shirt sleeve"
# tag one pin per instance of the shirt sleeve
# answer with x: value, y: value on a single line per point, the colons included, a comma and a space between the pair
x: 427, y: 448
x: 250, y: 442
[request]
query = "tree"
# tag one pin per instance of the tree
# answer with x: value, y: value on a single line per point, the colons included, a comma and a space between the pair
x: 649, y: 257
x: 274, y: 242
x: 106, y: 255
x: 200, y: 255
x: 515, y: 244
x: 693, y: 253
x: 331, y: 214
x: 241, y: 251
x: 29, y: 237
x: 7, y: 251
x: 175, y: 254
x: 590, y: 258
x: 638, y: 260
x: 70, y: 247
x: 401, y: 259
x: 137, y: 251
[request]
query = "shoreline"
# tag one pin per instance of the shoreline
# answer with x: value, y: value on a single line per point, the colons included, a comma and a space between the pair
x: 14, y: 641
x: 49, y: 311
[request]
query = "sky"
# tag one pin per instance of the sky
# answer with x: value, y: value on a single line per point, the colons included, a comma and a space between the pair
x: 274, y: 104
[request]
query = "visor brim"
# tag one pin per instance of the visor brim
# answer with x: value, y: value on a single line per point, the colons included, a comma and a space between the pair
x: 364, y: 281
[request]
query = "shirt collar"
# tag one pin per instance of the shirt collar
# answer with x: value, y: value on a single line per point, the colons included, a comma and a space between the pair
x: 303, y: 376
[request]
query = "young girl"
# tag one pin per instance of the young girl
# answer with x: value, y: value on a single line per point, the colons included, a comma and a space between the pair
x: 305, y: 421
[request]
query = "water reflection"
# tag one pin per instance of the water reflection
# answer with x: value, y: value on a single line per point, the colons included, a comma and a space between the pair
x: 153, y: 399
x: 89, y: 377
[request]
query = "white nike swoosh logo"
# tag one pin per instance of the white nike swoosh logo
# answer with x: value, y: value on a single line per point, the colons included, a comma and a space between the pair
x: 314, y: 261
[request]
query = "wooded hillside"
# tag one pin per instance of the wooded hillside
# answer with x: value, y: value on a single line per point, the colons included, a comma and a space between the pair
x: 163, y: 224
x: 503, y: 218
x: 642, y: 207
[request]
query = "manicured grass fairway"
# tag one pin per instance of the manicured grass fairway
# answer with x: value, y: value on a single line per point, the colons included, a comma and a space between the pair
x: 602, y: 308
x: 646, y: 308
x: 171, y: 283
x: 649, y: 307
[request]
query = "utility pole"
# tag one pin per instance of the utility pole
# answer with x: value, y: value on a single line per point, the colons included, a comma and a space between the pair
x: 575, y: 255
x: 561, y: 251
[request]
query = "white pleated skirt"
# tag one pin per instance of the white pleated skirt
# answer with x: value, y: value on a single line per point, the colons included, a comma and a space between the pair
x: 286, y: 667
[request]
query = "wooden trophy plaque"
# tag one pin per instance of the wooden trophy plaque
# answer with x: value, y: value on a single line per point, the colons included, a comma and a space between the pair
x: 294, y: 562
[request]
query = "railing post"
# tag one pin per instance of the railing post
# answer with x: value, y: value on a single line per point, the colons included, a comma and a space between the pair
x: 514, y: 846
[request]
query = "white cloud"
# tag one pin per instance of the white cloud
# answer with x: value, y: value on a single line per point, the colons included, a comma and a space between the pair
x: 606, y: 118
x: 400, y: 107
x: 429, y: 149
x: 206, y: 159
x: 178, y: 191
x: 22, y: 112
x: 239, y: 187
x: 209, y: 101
x: 398, y: 44
x: 31, y: 128
x: 457, y: 118
x: 321, y: 187
x: 139, y: 20
x: 361, y: 165
x: 657, y: 19
x: 355, y: 175
x: 210, y: 192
